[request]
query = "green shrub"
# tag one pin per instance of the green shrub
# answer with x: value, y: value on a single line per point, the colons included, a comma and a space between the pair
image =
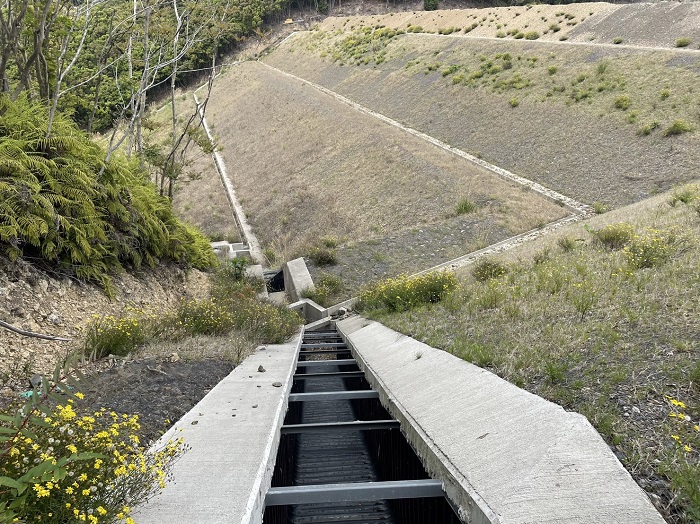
x: 323, y: 256
x: 405, y: 292
x: 60, y: 203
x: 664, y: 94
x: 60, y: 465
x: 686, y: 194
x: 651, y: 249
x: 203, y: 317
x: 532, y: 35
x: 514, y: 102
x: 614, y: 236
x: 678, y: 127
x: 233, y: 269
x: 327, y: 286
x: 567, y: 243
x: 117, y: 335
x: 622, y: 102
x: 430, y: 5
x: 646, y: 129
x: 450, y: 70
x: 617, y: 40
x: 552, y: 70
x: 329, y: 242
x: 554, y: 28
x: 683, y: 42
x: 488, y: 268
x: 465, y: 206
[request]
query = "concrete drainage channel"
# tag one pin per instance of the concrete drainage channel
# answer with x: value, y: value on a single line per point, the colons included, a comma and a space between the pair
x: 341, y: 457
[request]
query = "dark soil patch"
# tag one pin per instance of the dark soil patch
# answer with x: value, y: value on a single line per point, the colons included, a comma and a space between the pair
x: 159, y: 392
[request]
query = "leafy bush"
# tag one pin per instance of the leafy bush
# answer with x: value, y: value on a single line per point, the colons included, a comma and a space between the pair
x: 614, y: 236
x: 63, y: 205
x: 651, y: 249
x: 678, y: 127
x: 430, y: 5
x: 110, y: 335
x: 261, y: 320
x: 686, y: 194
x: 552, y: 70
x: 532, y: 35
x: 567, y: 243
x: 514, y: 102
x: 465, y: 206
x: 406, y: 292
x: 59, y: 465
x: 683, y: 42
x: 233, y: 269
x: 646, y: 129
x: 617, y: 40
x: 327, y: 286
x: 323, y: 256
x: 203, y: 317
x: 488, y: 268
x: 622, y: 102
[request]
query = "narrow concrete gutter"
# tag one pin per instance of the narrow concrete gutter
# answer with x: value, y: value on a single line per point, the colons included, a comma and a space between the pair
x: 504, y: 455
x: 243, y: 226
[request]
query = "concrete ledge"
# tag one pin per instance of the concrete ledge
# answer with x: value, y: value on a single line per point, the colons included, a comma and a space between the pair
x: 297, y: 279
x: 309, y: 310
x: 234, y: 434
x: 503, y: 454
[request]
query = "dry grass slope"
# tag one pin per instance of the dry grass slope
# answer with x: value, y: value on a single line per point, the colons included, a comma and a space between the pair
x: 591, y: 122
x: 311, y: 170
x: 612, y: 334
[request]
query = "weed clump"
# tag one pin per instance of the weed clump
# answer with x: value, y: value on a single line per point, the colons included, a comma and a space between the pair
x: 678, y: 127
x: 327, y: 286
x: 406, y: 292
x: 614, y: 236
x: 465, y: 206
x: 651, y: 249
x: 683, y: 42
x: 323, y: 256
x: 488, y: 268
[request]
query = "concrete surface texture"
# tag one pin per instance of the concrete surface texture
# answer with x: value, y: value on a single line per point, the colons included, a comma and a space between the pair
x: 233, y: 433
x: 296, y: 279
x: 504, y: 455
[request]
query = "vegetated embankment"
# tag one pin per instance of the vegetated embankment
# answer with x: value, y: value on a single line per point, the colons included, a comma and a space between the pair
x: 314, y: 173
x: 593, y: 122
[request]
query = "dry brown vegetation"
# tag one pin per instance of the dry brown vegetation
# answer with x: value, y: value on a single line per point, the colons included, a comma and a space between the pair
x: 308, y: 167
x: 199, y: 198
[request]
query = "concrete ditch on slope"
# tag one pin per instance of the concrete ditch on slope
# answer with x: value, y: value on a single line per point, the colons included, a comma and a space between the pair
x: 504, y: 455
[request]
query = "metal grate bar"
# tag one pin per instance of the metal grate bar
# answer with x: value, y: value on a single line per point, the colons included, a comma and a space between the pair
x: 333, y: 395
x: 357, y: 425
x: 340, y: 374
x: 339, y: 362
x: 354, y: 492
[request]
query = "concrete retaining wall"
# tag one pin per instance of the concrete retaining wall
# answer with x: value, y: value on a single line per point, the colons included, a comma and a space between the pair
x: 504, y: 455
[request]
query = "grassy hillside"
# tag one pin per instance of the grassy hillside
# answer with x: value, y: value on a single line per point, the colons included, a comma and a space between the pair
x: 313, y: 173
x: 593, y: 122
x: 601, y: 319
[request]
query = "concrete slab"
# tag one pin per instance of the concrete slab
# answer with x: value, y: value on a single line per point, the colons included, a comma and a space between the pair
x: 504, y: 455
x: 296, y: 278
x: 233, y: 433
